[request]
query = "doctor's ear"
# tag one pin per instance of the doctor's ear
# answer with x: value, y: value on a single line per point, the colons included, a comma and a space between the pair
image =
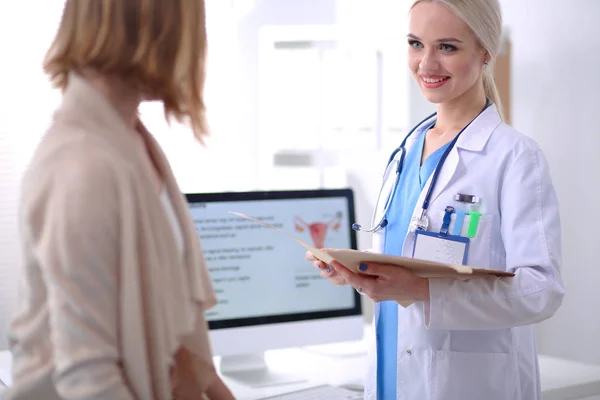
x: 486, y: 59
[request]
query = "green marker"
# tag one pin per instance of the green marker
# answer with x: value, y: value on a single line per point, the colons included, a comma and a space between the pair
x: 473, y: 224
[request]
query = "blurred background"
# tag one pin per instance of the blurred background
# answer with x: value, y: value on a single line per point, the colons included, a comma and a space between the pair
x: 316, y: 93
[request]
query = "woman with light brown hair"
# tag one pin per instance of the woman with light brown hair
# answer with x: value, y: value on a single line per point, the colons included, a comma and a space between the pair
x: 114, y: 284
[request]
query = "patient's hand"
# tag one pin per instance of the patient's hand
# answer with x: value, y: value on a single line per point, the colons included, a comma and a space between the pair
x: 326, y: 270
x: 193, y: 378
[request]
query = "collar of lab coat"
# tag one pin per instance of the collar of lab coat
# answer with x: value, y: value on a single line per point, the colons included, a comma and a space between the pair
x: 478, y: 133
x: 474, y: 139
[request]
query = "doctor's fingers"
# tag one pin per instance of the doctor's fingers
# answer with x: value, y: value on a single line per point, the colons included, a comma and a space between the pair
x: 333, y: 276
x: 326, y: 270
x: 337, y: 280
x: 378, y: 269
x: 362, y: 283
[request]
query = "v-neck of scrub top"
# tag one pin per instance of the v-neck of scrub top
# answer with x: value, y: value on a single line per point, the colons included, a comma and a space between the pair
x: 413, y: 178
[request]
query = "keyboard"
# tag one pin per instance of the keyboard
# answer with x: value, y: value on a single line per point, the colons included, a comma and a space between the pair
x: 324, y: 392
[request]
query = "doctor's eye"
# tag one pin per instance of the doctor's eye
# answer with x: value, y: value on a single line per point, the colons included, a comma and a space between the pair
x: 448, y: 48
x: 415, y: 44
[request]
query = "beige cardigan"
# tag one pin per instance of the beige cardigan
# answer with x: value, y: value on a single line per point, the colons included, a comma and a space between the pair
x: 106, y: 300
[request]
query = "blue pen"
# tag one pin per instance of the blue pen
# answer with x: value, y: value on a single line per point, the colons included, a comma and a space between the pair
x: 459, y: 220
x: 447, y: 220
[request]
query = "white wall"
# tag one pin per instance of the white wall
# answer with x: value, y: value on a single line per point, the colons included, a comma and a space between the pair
x: 268, y: 12
x: 555, y: 92
x: 24, y: 113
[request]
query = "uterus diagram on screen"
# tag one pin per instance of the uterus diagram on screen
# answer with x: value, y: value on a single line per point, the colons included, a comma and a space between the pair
x: 318, y: 229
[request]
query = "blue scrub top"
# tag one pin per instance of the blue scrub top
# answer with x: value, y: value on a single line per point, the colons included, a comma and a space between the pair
x: 413, y: 178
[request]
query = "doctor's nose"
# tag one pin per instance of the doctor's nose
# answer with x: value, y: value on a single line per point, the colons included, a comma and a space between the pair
x: 429, y: 61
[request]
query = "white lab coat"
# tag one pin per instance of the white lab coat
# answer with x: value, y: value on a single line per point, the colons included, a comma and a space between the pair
x: 476, y: 339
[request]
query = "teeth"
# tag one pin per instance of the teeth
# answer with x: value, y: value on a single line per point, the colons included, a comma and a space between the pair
x: 429, y: 80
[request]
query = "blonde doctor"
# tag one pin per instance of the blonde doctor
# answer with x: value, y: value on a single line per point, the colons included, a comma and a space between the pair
x: 466, y: 181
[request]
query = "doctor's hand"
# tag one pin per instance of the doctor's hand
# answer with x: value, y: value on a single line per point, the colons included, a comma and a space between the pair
x: 386, y: 282
x: 327, y: 271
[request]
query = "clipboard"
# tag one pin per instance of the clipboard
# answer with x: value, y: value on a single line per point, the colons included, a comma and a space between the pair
x: 352, y: 259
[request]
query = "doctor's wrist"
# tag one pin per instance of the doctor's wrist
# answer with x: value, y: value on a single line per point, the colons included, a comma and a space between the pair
x: 423, y: 290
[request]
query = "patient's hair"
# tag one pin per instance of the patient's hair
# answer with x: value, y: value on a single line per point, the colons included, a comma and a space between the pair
x: 156, y: 46
x: 484, y: 17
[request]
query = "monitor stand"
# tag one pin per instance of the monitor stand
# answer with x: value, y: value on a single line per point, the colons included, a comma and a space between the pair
x: 251, y: 370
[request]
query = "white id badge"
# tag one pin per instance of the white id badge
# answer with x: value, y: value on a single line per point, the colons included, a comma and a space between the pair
x: 447, y: 249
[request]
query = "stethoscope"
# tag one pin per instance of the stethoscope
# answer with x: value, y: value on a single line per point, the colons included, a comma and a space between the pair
x: 397, y: 160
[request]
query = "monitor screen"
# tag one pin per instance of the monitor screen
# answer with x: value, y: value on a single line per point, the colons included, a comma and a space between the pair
x: 260, y: 276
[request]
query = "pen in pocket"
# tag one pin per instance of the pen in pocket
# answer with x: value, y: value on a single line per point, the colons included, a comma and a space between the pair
x: 473, y: 224
x: 459, y: 221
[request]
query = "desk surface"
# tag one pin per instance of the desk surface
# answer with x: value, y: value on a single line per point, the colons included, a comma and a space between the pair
x: 560, y: 379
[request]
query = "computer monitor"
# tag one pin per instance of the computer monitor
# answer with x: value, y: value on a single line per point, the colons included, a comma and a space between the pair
x: 269, y: 296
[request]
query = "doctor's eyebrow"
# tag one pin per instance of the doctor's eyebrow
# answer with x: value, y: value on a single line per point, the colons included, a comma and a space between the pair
x: 440, y: 40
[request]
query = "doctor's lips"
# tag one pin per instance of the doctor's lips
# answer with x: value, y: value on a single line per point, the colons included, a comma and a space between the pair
x: 433, y: 81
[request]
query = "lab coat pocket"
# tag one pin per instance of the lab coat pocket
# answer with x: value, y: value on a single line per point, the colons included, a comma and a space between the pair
x: 476, y: 376
x: 480, y: 246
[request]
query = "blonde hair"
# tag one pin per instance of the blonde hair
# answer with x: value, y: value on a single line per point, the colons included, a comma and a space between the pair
x: 157, y: 46
x: 484, y: 17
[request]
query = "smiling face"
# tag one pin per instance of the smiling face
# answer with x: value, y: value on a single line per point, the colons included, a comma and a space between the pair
x: 444, y: 55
